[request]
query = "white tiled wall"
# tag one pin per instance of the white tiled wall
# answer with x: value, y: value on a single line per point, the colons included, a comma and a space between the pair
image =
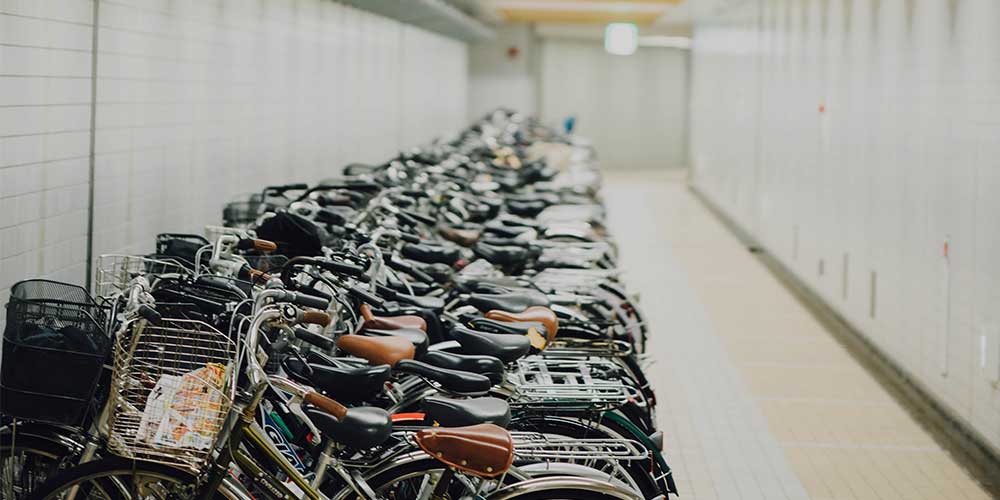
x: 197, y: 101
x: 633, y: 109
x: 44, y: 139
x: 854, y: 139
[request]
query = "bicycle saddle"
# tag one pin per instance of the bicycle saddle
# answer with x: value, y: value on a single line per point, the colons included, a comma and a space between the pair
x: 546, y: 198
x: 430, y: 254
x: 526, y: 208
x: 506, y: 327
x: 502, y: 255
x: 349, y: 384
x: 461, y: 382
x: 486, y: 365
x: 512, y: 302
x: 361, y: 428
x: 535, y: 331
x: 507, y: 348
x: 377, y: 350
x: 425, y: 302
x: 416, y: 336
x: 391, y: 322
x: 418, y: 288
x: 505, y: 231
x: 537, y: 314
x: 485, y: 450
x: 449, y: 412
x: 464, y: 237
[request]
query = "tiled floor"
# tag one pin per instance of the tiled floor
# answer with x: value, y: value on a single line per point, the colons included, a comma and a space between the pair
x: 757, y: 400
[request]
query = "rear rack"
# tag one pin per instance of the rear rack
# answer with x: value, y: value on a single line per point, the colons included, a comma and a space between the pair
x: 583, y: 347
x: 551, y: 447
x: 568, y: 384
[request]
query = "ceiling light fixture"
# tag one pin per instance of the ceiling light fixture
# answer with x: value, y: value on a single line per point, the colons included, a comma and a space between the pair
x: 621, y: 38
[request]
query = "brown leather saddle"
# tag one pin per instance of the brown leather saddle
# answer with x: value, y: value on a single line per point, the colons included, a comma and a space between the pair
x: 464, y: 237
x: 377, y: 350
x: 537, y: 314
x: 374, y: 322
x: 484, y: 450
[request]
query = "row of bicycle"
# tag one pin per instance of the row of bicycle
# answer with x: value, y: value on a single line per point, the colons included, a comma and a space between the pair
x: 448, y: 325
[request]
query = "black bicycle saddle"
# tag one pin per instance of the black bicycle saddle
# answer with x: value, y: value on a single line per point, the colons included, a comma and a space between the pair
x: 512, y: 302
x: 485, y: 365
x: 362, y: 428
x: 349, y: 384
x: 507, y: 348
x: 502, y: 255
x: 450, y: 412
x: 505, y: 231
x: 507, y: 327
x: 430, y: 254
x: 472, y: 384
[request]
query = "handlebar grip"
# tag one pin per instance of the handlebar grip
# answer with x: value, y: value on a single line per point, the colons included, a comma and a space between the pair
x: 257, y: 276
x: 344, y: 268
x: 406, y: 219
x: 366, y: 296
x: 421, y: 276
x: 265, y: 246
x: 308, y: 290
x: 420, y: 217
x: 326, y: 404
x: 409, y: 238
x: 323, y: 342
x: 316, y: 318
x: 150, y: 314
x: 286, y: 187
x: 304, y: 300
x: 410, y: 269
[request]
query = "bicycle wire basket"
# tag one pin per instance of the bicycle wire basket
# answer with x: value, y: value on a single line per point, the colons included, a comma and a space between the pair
x: 114, y: 272
x: 52, y: 325
x: 171, y: 391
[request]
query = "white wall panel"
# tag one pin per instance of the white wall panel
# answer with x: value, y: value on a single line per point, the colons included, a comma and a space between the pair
x: 633, y: 109
x: 499, y: 79
x: 197, y: 101
x: 44, y: 139
x: 853, y: 139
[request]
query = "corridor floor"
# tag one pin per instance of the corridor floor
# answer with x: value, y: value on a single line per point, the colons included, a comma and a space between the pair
x: 756, y: 399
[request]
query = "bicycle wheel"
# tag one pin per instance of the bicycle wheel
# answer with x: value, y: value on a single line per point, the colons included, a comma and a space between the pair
x: 118, y: 478
x: 28, y: 461
x: 634, y: 474
x: 562, y: 488
x: 408, y: 479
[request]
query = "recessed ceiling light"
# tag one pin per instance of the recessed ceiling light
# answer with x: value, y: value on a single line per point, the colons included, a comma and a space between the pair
x: 621, y: 38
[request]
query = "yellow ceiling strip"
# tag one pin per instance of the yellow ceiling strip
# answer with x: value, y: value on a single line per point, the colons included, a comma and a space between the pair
x: 578, y: 16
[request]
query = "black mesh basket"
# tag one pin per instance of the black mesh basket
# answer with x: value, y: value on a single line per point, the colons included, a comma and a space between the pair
x: 241, y: 213
x: 54, y: 347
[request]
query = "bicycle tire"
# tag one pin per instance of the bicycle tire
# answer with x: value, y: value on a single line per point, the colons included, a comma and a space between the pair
x: 35, y: 460
x: 112, y: 475
x: 638, y: 471
x: 378, y: 481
